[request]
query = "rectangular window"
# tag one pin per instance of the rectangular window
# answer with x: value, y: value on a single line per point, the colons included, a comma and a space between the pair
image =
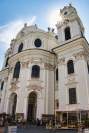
x: 72, y: 96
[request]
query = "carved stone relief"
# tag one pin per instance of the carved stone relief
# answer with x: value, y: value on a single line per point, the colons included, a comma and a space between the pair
x: 48, y: 66
x: 25, y: 64
x: 61, y: 61
x: 80, y: 55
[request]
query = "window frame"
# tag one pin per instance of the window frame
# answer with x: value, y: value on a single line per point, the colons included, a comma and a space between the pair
x: 16, y: 72
x: 37, y: 43
x: 20, y: 48
x: 57, y: 76
x: 70, y: 67
x: 6, y: 63
x: 72, y: 96
x: 34, y: 73
x: 67, y: 33
x: 2, y: 86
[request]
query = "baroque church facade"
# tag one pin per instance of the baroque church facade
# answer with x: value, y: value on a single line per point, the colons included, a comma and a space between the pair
x: 47, y: 73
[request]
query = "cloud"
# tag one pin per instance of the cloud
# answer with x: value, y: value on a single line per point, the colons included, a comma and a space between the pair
x: 9, y: 31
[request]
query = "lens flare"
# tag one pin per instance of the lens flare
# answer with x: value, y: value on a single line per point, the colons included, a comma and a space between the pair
x: 54, y: 18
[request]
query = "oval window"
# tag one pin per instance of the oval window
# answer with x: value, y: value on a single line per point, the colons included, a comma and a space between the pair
x: 37, y: 43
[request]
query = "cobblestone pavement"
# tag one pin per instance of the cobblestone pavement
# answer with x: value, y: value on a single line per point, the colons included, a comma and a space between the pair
x: 43, y: 130
x: 34, y: 129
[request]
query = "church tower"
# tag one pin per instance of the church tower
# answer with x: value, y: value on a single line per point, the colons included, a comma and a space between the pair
x: 70, y: 26
x: 73, y: 65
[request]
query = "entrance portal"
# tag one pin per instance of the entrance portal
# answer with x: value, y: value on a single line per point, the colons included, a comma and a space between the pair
x: 12, y: 104
x: 32, y: 106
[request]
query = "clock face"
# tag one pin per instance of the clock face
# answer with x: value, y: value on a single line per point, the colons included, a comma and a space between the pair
x: 37, y: 43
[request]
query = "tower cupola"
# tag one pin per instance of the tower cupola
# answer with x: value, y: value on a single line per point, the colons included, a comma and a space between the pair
x: 70, y: 26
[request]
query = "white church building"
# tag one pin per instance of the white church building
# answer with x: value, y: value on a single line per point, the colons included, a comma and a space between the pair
x: 47, y: 72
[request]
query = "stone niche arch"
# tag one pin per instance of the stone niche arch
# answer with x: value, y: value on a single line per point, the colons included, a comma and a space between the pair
x: 12, y: 104
x: 32, y: 106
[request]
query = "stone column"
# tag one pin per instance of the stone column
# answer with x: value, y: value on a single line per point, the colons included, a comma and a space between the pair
x: 40, y: 106
x: 25, y: 109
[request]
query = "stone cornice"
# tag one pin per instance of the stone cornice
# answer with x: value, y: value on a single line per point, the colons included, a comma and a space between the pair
x: 32, y: 55
x: 4, y: 73
x: 68, y: 45
x: 33, y: 51
x: 80, y: 55
x: 72, y: 43
x: 47, y: 35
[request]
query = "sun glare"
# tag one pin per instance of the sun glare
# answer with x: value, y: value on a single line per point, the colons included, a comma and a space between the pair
x: 54, y: 17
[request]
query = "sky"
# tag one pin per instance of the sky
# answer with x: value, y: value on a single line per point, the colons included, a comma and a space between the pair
x: 14, y: 13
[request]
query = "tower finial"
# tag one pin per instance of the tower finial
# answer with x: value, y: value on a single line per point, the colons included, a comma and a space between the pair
x: 70, y: 4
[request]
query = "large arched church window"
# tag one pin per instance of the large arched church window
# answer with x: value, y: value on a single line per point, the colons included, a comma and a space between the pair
x: 67, y: 33
x: 20, y: 48
x: 7, y: 62
x: 2, y: 85
x: 16, y: 70
x: 35, y: 71
x: 70, y: 67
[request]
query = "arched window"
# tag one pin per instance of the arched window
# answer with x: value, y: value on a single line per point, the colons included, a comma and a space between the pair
x: 35, y: 71
x: 20, y: 47
x: 67, y: 33
x: 2, y: 84
x: 16, y: 70
x: 70, y: 67
x: 7, y: 62
x: 57, y: 74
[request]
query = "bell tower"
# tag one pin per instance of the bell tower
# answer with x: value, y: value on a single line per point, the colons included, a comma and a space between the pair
x: 70, y: 27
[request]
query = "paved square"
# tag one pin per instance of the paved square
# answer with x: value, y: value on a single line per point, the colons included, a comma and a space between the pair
x: 34, y: 129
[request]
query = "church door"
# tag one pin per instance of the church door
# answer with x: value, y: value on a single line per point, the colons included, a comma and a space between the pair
x: 32, y: 106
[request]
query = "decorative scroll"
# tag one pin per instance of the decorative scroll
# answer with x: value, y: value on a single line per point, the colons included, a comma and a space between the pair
x: 71, y: 79
x: 36, y: 60
x: 48, y: 66
x: 14, y: 84
x: 25, y: 64
x: 35, y: 84
x: 61, y: 61
x: 35, y: 87
x: 80, y: 55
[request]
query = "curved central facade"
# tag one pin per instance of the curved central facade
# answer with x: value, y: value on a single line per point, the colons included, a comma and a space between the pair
x: 31, y: 71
